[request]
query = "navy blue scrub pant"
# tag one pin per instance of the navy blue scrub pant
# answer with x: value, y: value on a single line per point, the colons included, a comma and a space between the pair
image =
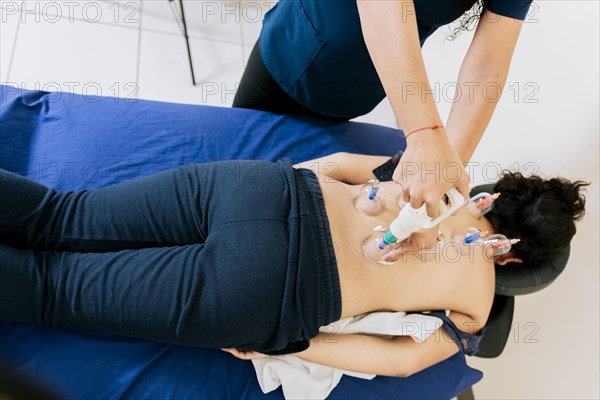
x: 258, y: 90
x: 226, y: 254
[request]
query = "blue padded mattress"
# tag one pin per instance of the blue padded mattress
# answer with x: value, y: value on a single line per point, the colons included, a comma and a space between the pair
x: 69, y: 142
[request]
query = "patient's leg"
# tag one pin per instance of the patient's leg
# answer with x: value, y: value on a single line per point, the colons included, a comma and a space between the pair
x: 158, y: 210
x: 184, y: 295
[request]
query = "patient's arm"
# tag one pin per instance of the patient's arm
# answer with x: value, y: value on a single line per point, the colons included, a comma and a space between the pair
x: 354, y: 169
x: 401, y: 356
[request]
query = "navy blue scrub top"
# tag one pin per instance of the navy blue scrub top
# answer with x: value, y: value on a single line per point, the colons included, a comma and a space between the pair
x: 316, y: 52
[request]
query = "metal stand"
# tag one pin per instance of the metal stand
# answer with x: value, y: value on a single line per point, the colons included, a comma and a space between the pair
x: 180, y: 17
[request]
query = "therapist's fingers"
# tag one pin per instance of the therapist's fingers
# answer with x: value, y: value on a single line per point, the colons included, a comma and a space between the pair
x: 463, y: 186
x: 406, y: 193
x: 455, y: 175
x: 401, y: 252
x: 433, y: 205
x: 431, y: 194
x: 419, y: 196
x: 416, y: 200
x: 400, y: 180
x: 430, y: 167
x: 428, y: 195
x: 392, y: 256
x: 425, y: 239
x: 244, y: 354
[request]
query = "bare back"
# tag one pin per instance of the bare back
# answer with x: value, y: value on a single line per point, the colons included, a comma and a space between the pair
x: 450, y: 281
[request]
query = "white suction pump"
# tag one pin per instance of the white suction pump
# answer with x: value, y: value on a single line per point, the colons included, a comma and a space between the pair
x: 410, y: 220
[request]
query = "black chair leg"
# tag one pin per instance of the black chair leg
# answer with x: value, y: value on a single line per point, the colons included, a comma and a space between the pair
x: 187, y: 39
x: 187, y: 42
x: 467, y: 394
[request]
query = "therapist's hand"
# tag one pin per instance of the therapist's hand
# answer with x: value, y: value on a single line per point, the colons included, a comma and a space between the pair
x: 244, y: 354
x: 429, y: 168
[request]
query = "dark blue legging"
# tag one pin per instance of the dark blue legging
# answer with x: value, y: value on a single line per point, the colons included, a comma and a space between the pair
x: 211, y: 255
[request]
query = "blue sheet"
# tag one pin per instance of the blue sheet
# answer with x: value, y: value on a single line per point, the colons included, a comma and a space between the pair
x: 72, y: 142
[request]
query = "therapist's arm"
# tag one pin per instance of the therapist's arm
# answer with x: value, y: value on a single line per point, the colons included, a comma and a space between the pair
x: 390, y: 32
x: 481, y: 79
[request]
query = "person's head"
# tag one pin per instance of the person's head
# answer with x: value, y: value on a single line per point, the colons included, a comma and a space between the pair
x: 542, y: 213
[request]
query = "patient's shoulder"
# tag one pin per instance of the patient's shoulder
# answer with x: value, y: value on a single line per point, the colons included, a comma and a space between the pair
x: 482, y: 289
x: 473, y: 287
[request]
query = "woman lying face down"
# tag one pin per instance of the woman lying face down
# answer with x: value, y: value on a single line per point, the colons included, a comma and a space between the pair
x: 255, y: 256
x: 541, y: 213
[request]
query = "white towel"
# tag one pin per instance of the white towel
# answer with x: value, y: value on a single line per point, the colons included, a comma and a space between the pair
x: 300, y: 379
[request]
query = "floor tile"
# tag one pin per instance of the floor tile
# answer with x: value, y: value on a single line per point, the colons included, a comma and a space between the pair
x: 246, y: 50
x: 78, y: 57
x: 165, y: 73
x: 125, y: 13
x: 207, y: 19
x: 158, y: 16
x: 216, y: 20
x: 9, y: 23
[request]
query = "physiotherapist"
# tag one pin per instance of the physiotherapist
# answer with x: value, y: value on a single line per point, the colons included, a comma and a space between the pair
x: 337, y: 59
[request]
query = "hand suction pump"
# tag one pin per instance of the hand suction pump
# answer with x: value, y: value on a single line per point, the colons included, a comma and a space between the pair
x: 411, y: 220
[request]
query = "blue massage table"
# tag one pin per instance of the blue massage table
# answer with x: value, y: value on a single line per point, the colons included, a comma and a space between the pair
x: 73, y: 142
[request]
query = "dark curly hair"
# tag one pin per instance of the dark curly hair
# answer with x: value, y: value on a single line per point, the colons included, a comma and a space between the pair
x: 542, y: 213
x: 467, y: 21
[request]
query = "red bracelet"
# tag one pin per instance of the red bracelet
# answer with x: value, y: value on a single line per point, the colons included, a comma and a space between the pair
x: 420, y: 129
